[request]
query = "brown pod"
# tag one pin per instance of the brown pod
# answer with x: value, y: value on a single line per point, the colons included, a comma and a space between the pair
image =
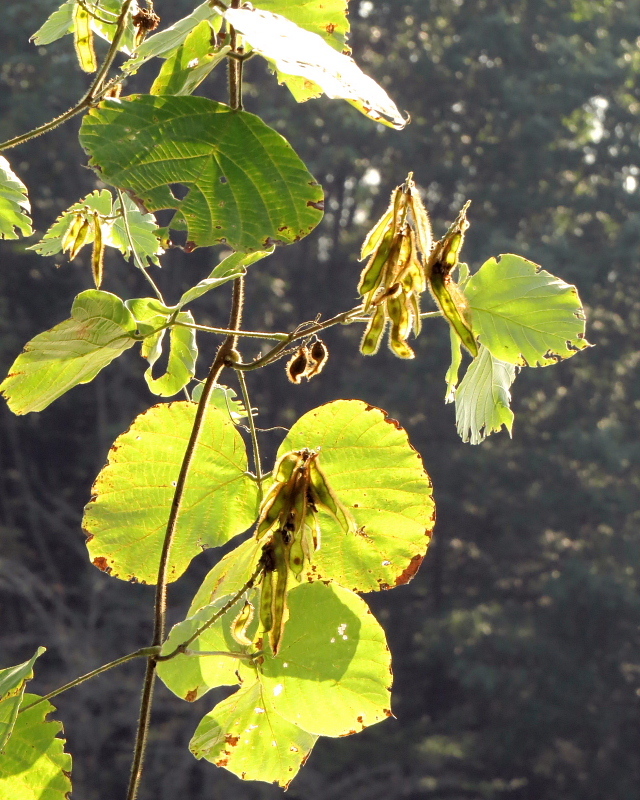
x: 297, y: 367
x: 318, y: 354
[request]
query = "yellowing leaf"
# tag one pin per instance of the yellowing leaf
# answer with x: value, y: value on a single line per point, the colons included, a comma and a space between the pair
x: 295, y: 51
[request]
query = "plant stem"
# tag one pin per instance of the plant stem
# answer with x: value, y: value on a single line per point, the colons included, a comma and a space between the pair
x: 93, y: 93
x: 278, y: 337
x: 252, y: 429
x: 144, y: 652
x: 235, y: 68
x: 136, y: 258
x: 160, y: 610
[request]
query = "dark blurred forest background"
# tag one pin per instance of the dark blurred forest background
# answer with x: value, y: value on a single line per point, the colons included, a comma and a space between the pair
x: 517, y: 647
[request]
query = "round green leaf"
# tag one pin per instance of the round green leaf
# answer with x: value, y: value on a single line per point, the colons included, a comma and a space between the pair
x: 34, y: 764
x: 244, y: 734
x: 247, y: 187
x: 332, y: 675
x: 523, y: 314
x: 379, y: 477
x: 191, y: 676
x: 127, y: 517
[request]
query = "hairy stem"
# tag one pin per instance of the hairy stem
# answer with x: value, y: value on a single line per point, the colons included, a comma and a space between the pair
x: 144, y: 652
x: 252, y: 430
x: 95, y: 91
x: 136, y: 258
x: 278, y: 337
x: 160, y: 609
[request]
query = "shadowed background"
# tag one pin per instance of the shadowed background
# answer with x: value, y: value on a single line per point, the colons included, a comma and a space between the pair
x: 516, y: 648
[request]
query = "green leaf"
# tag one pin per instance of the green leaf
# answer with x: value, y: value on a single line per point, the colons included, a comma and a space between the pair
x: 523, y: 314
x: 165, y: 42
x: 190, y: 677
x: 34, y: 764
x: 328, y: 19
x: 12, y: 684
x: 143, y: 143
x: 228, y: 576
x: 51, y: 242
x: 189, y: 65
x: 292, y: 50
x: 454, y: 368
x: 60, y: 23
x: 73, y: 352
x: 142, y: 228
x: 376, y: 473
x: 246, y: 736
x: 141, y: 237
x: 127, y: 517
x: 224, y: 398
x: 483, y: 398
x: 332, y: 675
x: 183, y: 351
x: 14, y: 204
x: 228, y: 269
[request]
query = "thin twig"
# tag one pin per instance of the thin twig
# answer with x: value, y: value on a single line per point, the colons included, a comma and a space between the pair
x: 136, y: 258
x: 144, y: 652
x: 95, y: 91
x: 160, y: 609
x: 252, y: 429
x: 277, y: 337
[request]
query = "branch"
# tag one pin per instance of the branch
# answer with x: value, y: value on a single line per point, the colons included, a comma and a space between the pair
x: 160, y: 610
x: 95, y: 91
x: 252, y: 430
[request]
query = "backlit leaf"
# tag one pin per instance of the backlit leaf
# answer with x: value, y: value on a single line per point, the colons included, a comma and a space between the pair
x: 483, y: 398
x: 332, y: 675
x: 292, y: 50
x: 224, y: 398
x: 127, y: 517
x: 141, y: 235
x: 454, y: 368
x: 523, y: 314
x: 14, y: 204
x: 12, y: 684
x: 73, y: 352
x: 189, y: 65
x: 248, y: 737
x: 371, y: 466
x: 228, y: 269
x: 246, y: 186
x: 34, y: 764
x: 61, y: 22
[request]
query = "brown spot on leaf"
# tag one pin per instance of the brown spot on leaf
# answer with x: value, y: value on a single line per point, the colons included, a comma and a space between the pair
x: 360, y: 720
x: 410, y: 571
x: 190, y: 247
x: 231, y: 740
x: 191, y: 695
x: 89, y: 537
x: 222, y: 762
x: 330, y: 28
x: 269, y: 241
x: 101, y: 563
x: 319, y: 204
x: 387, y: 712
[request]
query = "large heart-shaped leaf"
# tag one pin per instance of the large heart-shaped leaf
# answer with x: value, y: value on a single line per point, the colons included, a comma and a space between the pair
x: 247, y: 736
x: 12, y: 684
x: 127, y: 517
x: 294, y: 51
x: 483, y: 398
x: 14, y: 204
x: 376, y: 473
x: 100, y: 329
x: 523, y: 314
x: 34, y: 764
x: 247, y: 187
x: 332, y: 674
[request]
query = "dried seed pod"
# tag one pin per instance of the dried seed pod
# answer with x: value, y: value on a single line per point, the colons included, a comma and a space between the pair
x: 297, y: 367
x: 241, y: 623
x: 444, y: 289
x: 83, y: 39
x: 400, y: 327
x: 97, y: 256
x: 317, y: 355
x: 372, y: 337
x: 325, y: 497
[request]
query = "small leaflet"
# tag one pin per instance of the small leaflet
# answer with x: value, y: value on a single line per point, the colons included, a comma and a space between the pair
x: 295, y: 51
x: 14, y: 204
